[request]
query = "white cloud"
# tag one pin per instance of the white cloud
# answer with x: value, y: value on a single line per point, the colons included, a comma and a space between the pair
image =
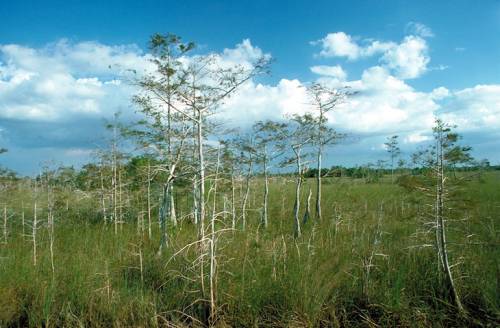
x: 243, y: 54
x: 385, y: 105
x: 255, y: 102
x: 339, y: 44
x: 440, y: 93
x: 408, y: 59
x: 59, y: 93
x: 416, y: 138
x: 419, y: 29
x: 474, y: 109
x: 336, y: 71
x: 65, y: 81
x: 56, y: 97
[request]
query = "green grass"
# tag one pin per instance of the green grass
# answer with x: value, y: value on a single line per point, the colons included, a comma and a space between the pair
x: 265, y: 277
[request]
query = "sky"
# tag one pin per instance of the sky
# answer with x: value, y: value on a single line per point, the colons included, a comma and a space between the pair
x: 62, y: 64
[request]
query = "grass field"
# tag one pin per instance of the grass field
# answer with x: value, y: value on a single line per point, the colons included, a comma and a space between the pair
x: 369, y: 263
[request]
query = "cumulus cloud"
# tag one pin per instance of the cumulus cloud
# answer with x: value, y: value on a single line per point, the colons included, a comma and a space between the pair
x: 340, y: 44
x: 53, y: 99
x: 408, y: 59
x: 474, y: 109
x: 383, y: 104
x: 440, y: 93
x: 255, y: 102
x: 56, y: 97
x: 63, y: 81
x: 336, y: 71
x: 243, y: 54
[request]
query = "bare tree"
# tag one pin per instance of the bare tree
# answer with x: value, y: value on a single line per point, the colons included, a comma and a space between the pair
x: 229, y: 159
x: 299, y: 138
x: 444, y: 145
x: 324, y: 100
x: 269, y: 137
x: 164, y: 131
x: 208, y: 85
x: 246, y: 147
x: 116, y: 158
x: 437, y: 159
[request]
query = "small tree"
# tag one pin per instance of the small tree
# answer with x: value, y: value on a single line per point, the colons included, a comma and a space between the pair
x: 207, y: 84
x: 116, y: 158
x: 299, y: 138
x: 229, y: 166
x: 438, y: 159
x: 324, y: 100
x: 246, y: 147
x: 392, y: 147
x: 163, y: 130
x: 269, y: 137
x: 445, y: 150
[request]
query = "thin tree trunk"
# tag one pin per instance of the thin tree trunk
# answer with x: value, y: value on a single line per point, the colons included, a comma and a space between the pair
x: 35, y: 223
x: 201, y: 198
x: 318, y: 184
x: 201, y: 174
x: 149, y: 200
x: 22, y: 217
x: 233, y: 200
x: 164, y: 212
x: 441, y: 226
x: 51, y: 244
x: 307, y: 213
x: 115, y: 193
x: 245, y: 197
x: 392, y: 169
x: 5, y: 224
x: 212, y: 243
x: 195, y: 202
x: 296, y: 207
x: 173, y: 215
x: 120, y: 201
x: 266, y: 195
x: 103, y: 203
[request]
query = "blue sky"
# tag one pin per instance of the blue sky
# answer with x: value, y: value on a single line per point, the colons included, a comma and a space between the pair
x: 414, y: 60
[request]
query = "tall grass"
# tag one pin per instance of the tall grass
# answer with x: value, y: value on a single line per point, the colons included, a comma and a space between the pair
x: 367, y: 263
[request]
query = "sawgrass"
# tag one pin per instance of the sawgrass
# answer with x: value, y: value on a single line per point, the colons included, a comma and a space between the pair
x: 367, y: 263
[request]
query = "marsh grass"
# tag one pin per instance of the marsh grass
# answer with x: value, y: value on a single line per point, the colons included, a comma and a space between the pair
x: 365, y: 264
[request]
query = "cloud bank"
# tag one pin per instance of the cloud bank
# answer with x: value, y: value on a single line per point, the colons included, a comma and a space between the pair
x: 53, y: 99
